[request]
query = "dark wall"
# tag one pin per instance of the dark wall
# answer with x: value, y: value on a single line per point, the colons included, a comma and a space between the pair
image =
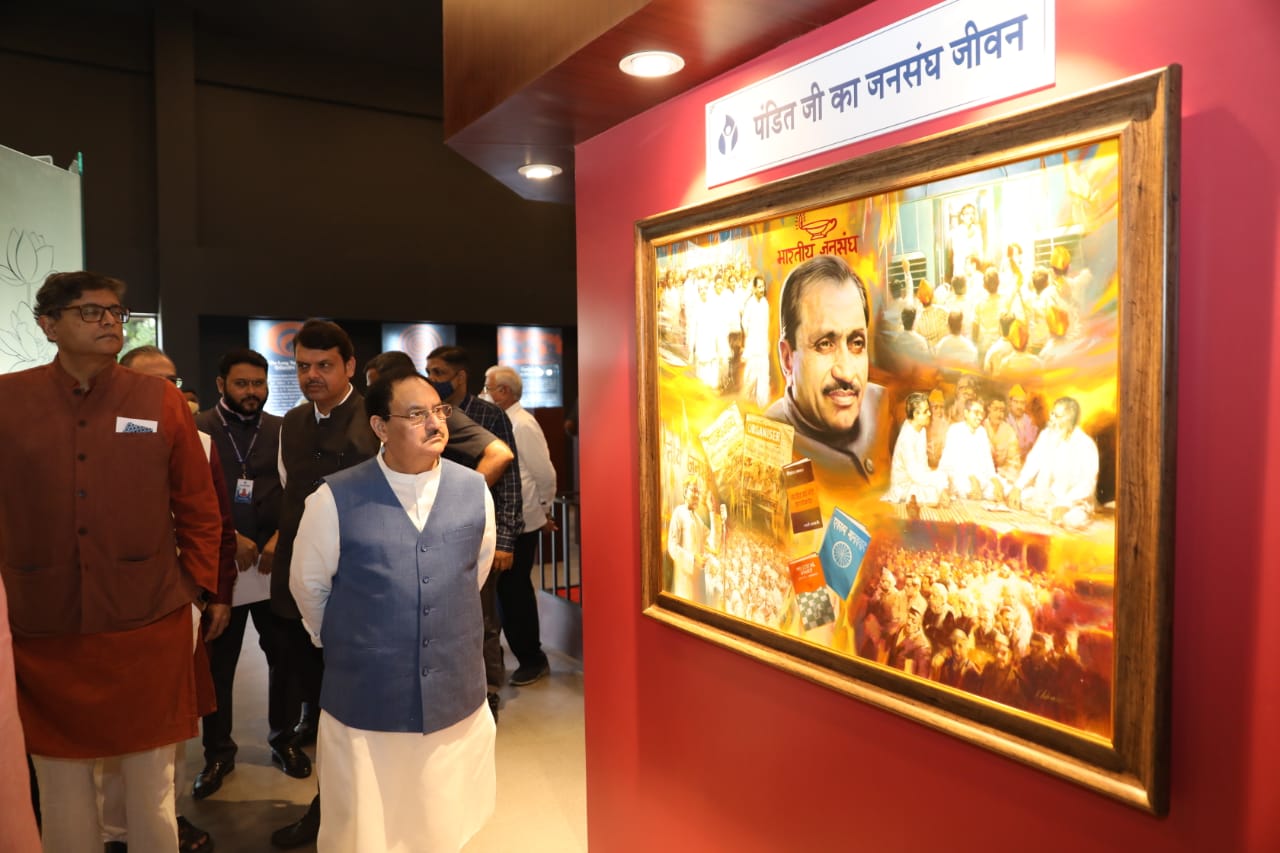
x: 308, y: 184
x: 61, y: 108
x: 366, y: 214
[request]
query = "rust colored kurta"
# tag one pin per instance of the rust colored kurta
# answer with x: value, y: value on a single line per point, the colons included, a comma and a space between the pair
x: 104, y: 487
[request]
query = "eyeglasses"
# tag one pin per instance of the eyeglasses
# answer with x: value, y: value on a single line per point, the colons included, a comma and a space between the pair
x: 417, y: 417
x: 176, y: 380
x: 92, y: 313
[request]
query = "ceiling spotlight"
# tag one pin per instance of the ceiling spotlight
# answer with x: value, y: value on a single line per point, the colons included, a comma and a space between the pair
x: 651, y: 63
x: 539, y: 171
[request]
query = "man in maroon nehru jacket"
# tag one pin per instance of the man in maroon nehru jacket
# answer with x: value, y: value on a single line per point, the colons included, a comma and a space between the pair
x: 109, y: 533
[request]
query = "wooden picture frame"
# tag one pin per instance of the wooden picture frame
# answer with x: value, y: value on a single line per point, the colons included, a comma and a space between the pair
x: 741, y: 541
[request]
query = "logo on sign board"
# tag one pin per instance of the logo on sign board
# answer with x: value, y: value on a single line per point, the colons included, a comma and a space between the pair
x: 729, y: 136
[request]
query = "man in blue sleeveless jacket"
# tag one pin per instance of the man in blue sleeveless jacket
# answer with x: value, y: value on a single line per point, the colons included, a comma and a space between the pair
x: 387, y: 567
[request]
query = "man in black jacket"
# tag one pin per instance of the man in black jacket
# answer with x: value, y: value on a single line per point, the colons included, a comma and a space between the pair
x: 248, y: 443
x: 316, y: 440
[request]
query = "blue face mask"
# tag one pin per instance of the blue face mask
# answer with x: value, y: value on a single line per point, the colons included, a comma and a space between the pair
x: 443, y: 388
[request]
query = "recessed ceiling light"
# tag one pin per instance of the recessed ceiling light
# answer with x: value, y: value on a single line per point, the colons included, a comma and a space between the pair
x: 539, y: 171
x: 651, y: 63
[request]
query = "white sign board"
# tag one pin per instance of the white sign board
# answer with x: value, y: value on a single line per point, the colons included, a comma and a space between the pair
x: 951, y: 57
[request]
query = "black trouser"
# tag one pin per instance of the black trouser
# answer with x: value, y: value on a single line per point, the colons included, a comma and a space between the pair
x: 519, y: 603
x: 224, y: 655
x: 495, y: 671
x: 301, y: 668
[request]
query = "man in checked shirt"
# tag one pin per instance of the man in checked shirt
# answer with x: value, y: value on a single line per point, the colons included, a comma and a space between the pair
x: 447, y: 370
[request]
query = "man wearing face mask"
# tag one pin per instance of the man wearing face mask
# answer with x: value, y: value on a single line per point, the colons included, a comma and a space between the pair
x: 248, y: 440
x: 447, y: 370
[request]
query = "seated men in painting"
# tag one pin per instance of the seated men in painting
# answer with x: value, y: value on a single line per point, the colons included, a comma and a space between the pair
x: 909, y: 649
x: 939, y: 423
x: 938, y: 620
x: 1004, y: 441
x: 967, y: 459
x: 1020, y: 419
x: 885, y: 611
x: 1001, y: 679
x: 953, y: 668
x: 1000, y: 349
x: 1040, y: 676
x: 956, y: 351
x: 987, y: 311
x: 913, y: 347
x: 825, y: 356
x: 1060, y: 477
x: 910, y: 474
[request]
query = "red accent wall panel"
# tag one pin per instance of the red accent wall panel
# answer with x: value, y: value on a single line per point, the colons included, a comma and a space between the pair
x: 693, y: 748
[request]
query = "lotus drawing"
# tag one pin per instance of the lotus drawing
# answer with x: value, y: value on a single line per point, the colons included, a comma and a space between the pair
x: 22, y: 344
x: 27, y: 260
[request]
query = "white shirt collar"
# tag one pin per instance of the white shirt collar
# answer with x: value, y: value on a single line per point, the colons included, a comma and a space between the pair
x: 345, y: 397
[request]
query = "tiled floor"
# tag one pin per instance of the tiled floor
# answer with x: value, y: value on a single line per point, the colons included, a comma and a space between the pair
x: 541, y: 790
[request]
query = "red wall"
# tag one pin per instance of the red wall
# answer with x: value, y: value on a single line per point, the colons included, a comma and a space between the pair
x: 691, y: 747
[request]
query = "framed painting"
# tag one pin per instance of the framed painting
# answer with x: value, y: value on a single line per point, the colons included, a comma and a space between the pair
x: 907, y: 429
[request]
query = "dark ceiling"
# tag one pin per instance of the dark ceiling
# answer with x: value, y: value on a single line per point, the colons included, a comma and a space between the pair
x: 527, y: 82
x: 514, y: 82
x: 524, y: 82
x: 402, y: 33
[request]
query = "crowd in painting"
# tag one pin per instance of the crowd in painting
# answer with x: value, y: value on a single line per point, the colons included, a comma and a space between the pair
x: 983, y: 623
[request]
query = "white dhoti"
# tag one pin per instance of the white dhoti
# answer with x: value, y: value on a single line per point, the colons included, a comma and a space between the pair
x: 404, y: 792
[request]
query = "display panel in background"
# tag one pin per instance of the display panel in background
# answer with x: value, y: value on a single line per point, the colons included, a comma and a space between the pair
x: 41, y: 232
x: 417, y: 339
x: 274, y: 339
x: 536, y: 353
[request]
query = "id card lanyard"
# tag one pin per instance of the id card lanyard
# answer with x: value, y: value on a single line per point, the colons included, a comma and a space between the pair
x: 244, y: 485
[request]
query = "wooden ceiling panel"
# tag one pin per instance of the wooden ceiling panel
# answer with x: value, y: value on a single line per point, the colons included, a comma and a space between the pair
x: 498, y: 128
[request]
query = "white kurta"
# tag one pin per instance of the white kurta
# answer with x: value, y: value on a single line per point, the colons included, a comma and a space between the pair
x: 686, y: 535
x: 399, y: 792
x: 966, y: 454
x: 911, y: 474
x: 1061, y: 474
x: 537, y: 474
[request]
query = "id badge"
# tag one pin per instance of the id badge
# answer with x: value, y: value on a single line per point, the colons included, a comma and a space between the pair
x: 244, y: 491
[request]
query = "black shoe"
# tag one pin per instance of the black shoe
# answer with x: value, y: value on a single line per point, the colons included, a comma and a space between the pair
x: 209, y: 780
x: 304, y: 733
x: 303, y: 831
x: 291, y: 759
x: 192, y: 838
x: 493, y: 705
x: 529, y: 674
x: 115, y: 847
